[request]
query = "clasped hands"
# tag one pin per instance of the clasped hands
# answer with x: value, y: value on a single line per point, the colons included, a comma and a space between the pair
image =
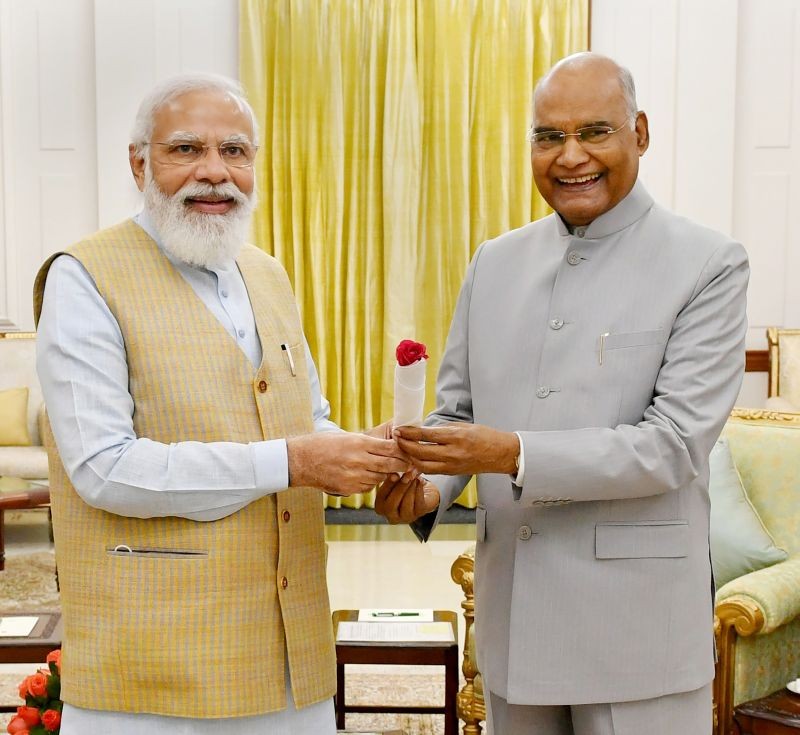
x: 343, y: 463
x: 453, y: 449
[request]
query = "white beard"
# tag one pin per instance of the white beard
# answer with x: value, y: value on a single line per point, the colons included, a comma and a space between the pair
x: 199, y: 238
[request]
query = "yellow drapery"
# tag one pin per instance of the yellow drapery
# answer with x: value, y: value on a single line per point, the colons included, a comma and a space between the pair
x: 392, y: 145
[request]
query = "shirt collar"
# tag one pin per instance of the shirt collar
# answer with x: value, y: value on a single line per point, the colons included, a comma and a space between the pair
x: 632, y: 208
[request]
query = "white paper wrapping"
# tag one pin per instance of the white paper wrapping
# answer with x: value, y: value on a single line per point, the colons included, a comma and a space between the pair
x: 409, y: 393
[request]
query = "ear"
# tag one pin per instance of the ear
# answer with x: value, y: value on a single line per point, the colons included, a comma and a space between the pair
x: 137, y: 166
x: 642, y: 133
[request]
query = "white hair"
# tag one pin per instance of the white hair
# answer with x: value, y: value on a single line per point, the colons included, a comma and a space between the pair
x: 176, y: 86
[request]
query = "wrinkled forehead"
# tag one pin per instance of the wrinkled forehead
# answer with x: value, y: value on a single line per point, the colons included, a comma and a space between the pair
x: 207, y: 114
x: 591, y: 94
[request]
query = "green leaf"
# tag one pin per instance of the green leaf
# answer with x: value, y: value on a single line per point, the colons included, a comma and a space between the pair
x: 53, y: 687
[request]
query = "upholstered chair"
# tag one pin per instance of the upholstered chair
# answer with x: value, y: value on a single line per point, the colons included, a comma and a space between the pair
x: 757, y: 619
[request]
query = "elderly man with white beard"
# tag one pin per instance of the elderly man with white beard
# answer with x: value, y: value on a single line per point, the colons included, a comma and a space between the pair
x: 188, y: 446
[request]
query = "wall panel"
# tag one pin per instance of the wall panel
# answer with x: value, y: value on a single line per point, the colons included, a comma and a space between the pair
x: 767, y: 157
x: 48, y: 134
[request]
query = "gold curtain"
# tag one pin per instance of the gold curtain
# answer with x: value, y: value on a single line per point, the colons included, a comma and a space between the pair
x: 392, y: 145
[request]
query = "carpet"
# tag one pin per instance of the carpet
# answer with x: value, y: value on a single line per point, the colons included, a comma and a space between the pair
x: 29, y: 583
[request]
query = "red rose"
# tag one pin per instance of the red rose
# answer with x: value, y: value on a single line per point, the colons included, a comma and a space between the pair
x: 30, y: 715
x: 408, y: 352
x: 17, y: 726
x: 51, y: 719
x: 37, y: 684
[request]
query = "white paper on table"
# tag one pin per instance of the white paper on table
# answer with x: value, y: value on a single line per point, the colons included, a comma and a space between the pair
x: 394, y: 632
x: 409, y: 393
x: 18, y: 626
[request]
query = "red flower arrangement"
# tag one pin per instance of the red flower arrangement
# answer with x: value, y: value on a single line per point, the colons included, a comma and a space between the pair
x: 41, y: 714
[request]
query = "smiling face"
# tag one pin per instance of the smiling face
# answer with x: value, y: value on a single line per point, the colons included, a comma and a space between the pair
x: 211, y: 117
x: 201, y: 209
x: 578, y: 180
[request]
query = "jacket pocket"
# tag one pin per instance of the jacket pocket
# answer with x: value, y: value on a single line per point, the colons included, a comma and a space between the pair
x: 155, y: 553
x: 480, y: 524
x: 641, y: 539
x: 619, y: 340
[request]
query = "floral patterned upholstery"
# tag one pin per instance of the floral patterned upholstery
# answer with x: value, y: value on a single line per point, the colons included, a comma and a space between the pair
x: 758, y: 614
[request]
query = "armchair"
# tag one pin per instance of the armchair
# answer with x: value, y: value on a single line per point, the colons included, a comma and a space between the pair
x: 757, y: 621
x: 757, y: 615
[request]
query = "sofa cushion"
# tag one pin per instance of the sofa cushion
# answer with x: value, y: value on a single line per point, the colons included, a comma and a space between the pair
x: 27, y: 462
x: 14, y: 417
x: 767, y: 456
x: 18, y: 368
x: 739, y: 541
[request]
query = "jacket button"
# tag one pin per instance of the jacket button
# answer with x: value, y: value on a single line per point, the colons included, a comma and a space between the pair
x: 262, y: 386
x: 284, y: 583
x: 542, y: 391
x: 286, y: 516
x: 574, y: 258
x: 556, y: 323
x: 524, y: 532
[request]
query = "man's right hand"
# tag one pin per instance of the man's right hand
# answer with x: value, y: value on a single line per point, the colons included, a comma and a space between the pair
x: 342, y: 463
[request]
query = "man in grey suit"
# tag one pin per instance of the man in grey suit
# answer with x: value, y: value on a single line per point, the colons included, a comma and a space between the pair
x: 593, y: 358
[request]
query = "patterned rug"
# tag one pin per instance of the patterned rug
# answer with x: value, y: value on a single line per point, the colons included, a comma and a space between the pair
x: 28, y: 584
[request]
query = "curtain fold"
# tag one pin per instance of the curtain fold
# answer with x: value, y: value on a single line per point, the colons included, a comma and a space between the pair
x: 392, y: 145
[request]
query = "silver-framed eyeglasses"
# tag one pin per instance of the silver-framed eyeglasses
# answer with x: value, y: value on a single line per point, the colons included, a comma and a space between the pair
x: 590, y: 135
x: 239, y: 154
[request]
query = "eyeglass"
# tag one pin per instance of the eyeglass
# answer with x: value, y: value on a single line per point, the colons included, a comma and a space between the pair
x: 188, y: 152
x: 592, y: 135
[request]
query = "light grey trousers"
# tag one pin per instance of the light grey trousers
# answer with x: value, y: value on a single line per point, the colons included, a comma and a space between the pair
x: 687, y: 713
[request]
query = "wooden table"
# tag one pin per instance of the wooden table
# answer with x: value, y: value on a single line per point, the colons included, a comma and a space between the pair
x: 776, y: 714
x: 45, y: 636
x: 415, y: 653
x: 19, y: 494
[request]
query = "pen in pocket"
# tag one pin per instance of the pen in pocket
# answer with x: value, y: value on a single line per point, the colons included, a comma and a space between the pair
x: 602, y: 345
x: 288, y: 351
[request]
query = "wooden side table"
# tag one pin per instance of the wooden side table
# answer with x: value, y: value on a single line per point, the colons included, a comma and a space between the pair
x: 776, y: 714
x: 45, y: 636
x: 19, y: 494
x: 415, y: 653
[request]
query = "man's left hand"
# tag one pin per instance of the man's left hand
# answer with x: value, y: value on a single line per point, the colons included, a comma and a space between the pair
x: 404, y: 498
x: 459, y: 449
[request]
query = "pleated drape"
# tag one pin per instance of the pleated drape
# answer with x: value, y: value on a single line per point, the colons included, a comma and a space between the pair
x: 392, y: 144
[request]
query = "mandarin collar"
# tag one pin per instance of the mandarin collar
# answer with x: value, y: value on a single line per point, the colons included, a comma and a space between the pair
x: 632, y: 208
